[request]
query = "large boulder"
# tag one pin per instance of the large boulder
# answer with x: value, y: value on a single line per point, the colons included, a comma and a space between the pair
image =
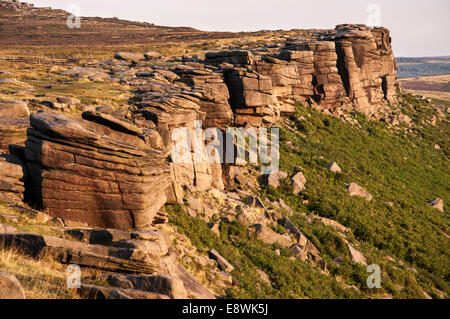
x: 356, y: 190
x: 101, y: 173
x: 334, y: 167
x: 298, y: 183
x: 14, y: 109
x: 10, y: 287
x: 129, y: 56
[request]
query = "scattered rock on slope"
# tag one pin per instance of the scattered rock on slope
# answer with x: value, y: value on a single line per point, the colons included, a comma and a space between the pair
x: 334, y: 167
x: 298, y: 182
x: 275, y: 178
x: 223, y: 263
x: 356, y: 190
x: 356, y: 256
x: 437, y: 203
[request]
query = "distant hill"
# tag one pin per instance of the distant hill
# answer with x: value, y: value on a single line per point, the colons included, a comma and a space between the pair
x: 422, y: 66
x: 23, y: 24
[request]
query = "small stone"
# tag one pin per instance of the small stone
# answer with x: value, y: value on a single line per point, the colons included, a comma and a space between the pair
x: 298, y: 182
x: 334, y: 167
x: 129, y: 56
x: 356, y: 190
x: 437, y: 203
x: 214, y: 227
x: 152, y: 55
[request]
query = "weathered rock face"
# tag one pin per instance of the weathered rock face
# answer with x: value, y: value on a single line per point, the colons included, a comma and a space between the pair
x: 251, y: 97
x: 178, y: 99
x: 107, y: 171
x: 103, y: 174
x: 328, y: 88
x: 11, y: 178
x: 355, y: 255
x: 212, y: 93
x: 367, y: 66
x: 352, y: 66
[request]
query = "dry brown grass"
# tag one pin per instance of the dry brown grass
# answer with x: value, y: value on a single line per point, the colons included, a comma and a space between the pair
x: 41, y: 279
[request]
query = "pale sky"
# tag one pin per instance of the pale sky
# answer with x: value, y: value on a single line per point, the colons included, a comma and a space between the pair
x: 418, y: 27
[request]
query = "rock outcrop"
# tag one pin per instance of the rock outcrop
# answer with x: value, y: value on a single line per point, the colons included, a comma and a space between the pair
x: 352, y: 67
x: 117, y: 170
x: 186, y: 98
x: 143, y: 266
x: 99, y: 170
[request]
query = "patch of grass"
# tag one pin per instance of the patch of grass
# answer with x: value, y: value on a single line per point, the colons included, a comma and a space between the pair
x: 41, y: 279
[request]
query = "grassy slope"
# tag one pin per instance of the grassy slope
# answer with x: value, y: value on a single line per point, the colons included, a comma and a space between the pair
x: 393, y: 167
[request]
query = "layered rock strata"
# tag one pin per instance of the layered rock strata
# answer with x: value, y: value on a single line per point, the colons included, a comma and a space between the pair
x: 98, y: 170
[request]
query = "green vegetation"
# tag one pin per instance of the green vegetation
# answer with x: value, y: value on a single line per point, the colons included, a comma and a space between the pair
x: 409, y: 240
x: 292, y: 278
